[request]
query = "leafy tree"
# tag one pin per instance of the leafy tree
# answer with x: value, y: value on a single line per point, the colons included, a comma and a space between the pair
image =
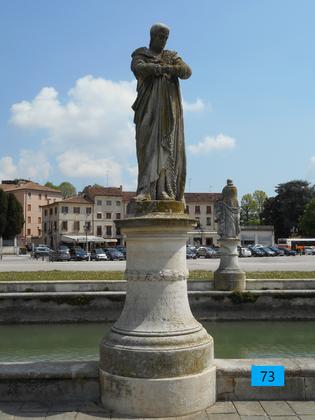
x: 51, y: 185
x: 3, y: 211
x: 15, y: 219
x: 285, y: 209
x: 249, y: 210
x: 307, y: 220
x: 251, y: 207
x: 260, y: 197
x: 67, y: 189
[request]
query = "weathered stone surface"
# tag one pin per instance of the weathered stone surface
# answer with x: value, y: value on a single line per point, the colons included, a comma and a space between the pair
x: 158, y: 397
x: 277, y: 408
x: 157, y: 347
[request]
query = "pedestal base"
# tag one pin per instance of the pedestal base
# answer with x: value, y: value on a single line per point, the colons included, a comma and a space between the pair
x: 229, y: 275
x: 157, y: 360
x: 165, y: 397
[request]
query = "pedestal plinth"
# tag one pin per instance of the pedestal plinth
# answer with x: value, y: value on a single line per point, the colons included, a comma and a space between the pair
x: 229, y: 275
x: 157, y: 360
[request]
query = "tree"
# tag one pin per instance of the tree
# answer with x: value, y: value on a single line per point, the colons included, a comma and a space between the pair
x: 3, y: 211
x: 251, y: 207
x: 51, y: 185
x: 249, y: 210
x: 15, y: 219
x: 285, y: 209
x: 67, y: 189
x: 307, y: 220
x: 260, y: 197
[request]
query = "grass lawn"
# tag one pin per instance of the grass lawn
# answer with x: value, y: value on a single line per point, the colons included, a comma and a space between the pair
x: 119, y: 275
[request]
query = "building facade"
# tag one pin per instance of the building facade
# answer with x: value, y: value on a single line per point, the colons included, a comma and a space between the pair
x: 66, y: 219
x: 32, y: 196
x: 109, y: 205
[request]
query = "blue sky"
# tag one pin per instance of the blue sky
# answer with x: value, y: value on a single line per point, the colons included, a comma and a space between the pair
x: 66, y: 89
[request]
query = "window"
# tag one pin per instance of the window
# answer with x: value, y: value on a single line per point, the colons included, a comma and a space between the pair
x: 46, y: 196
x: 118, y: 231
x: 39, y: 220
x: 56, y: 210
x: 29, y: 195
x: 117, y: 215
x: 28, y: 232
x: 208, y: 221
x: 64, y: 225
x: 39, y: 196
x: 187, y: 209
x: 50, y: 211
x: 76, y: 210
x: 29, y: 207
x: 76, y: 225
x: 98, y: 202
x: 88, y: 210
x: 108, y: 230
x: 45, y: 227
x: 197, y: 209
x: 87, y: 226
x: 39, y: 232
x: 118, y: 203
x: 108, y: 215
x: 64, y: 209
x: 108, y: 203
x: 99, y: 230
x: 209, y: 210
x: 29, y: 220
x: 99, y: 215
x: 45, y: 212
x: 55, y: 225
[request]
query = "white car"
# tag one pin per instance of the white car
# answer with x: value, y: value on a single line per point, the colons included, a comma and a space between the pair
x: 245, y: 252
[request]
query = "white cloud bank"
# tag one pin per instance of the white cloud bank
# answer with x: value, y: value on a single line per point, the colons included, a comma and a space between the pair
x: 196, y: 106
x: 90, y: 133
x: 30, y: 164
x: 209, y: 144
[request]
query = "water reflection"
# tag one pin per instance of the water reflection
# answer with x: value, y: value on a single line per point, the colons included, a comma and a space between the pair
x: 246, y: 339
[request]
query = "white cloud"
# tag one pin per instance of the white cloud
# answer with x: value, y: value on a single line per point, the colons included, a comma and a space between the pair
x: 196, y: 106
x: 79, y: 165
x: 7, y: 168
x: 209, y: 144
x: 97, y: 114
x: 87, y: 134
x: 33, y: 165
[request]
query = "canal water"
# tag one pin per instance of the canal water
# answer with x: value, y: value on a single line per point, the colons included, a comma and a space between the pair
x: 74, y: 342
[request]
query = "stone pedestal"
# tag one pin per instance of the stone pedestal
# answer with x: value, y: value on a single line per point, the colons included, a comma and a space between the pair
x: 229, y: 275
x: 157, y: 360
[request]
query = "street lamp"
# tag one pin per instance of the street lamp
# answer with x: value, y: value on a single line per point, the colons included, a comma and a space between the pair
x: 86, y: 229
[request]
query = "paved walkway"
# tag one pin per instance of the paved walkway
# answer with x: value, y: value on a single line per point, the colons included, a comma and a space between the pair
x: 238, y: 410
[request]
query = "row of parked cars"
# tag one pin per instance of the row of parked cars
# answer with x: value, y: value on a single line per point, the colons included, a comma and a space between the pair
x: 193, y: 252
x: 77, y: 253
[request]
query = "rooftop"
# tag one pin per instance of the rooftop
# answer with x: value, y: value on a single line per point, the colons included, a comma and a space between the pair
x: 26, y: 185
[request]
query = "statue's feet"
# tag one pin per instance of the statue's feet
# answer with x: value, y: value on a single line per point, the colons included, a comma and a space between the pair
x: 165, y: 196
x: 143, y: 197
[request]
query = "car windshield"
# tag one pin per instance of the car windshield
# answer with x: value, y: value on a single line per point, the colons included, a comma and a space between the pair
x: 99, y: 251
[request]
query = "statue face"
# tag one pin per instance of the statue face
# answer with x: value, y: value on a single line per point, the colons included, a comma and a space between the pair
x: 158, y: 41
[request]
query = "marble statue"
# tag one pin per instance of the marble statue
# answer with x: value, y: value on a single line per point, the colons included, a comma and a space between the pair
x: 159, y: 119
x: 227, y: 212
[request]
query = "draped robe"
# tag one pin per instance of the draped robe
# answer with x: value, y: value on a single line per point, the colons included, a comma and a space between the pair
x: 159, y: 124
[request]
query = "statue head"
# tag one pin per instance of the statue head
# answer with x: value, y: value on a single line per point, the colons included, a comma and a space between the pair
x: 229, y: 194
x: 159, y: 34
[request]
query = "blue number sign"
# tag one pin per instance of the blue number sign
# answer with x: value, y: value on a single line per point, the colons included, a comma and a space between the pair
x: 267, y: 376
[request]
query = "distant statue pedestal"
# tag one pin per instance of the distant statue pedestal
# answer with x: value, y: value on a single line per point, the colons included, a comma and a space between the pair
x: 157, y: 360
x: 229, y: 275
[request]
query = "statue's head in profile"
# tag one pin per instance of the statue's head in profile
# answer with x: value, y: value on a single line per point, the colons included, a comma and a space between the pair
x: 159, y: 35
x: 229, y: 194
